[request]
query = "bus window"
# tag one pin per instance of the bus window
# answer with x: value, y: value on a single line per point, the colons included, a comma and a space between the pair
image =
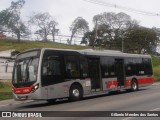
x: 51, y: 66
x: 139, y: 66
x: 84, y: 67
x: 72, y: 67
x: 108, y: 67
x: 130, y: 66
x: 147, y: 66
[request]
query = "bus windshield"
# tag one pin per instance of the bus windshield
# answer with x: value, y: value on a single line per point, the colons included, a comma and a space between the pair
x: 25, y: 70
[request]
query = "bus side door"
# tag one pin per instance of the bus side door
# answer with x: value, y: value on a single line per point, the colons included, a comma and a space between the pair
x: 120, y: 71
x: 94, y: 71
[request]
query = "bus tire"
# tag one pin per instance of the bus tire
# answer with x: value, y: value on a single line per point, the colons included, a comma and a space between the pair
x: 75, y: 93
x: 134, y: 85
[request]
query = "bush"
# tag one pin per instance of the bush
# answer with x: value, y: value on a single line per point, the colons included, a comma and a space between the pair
x: 156, y: 67
x: 2, y: 85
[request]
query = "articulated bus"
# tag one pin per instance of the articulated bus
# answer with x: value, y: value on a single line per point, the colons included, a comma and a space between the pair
x: 50, y: 74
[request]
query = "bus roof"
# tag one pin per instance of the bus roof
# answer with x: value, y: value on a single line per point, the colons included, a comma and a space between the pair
x: 92, y: 52
x: 114, y: 53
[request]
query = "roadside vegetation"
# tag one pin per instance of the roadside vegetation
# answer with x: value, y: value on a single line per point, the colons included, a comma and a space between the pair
x: 5, y: 90
x: 156, y: 67
x: 25, y: 45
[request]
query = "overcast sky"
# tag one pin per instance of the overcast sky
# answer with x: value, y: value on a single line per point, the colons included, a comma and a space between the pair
x: 65, y: 11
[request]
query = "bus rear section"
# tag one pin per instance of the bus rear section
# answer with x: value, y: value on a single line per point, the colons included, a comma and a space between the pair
x: 126, y: 72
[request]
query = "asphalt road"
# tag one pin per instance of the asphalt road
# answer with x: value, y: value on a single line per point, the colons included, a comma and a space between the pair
x: 146, y: 99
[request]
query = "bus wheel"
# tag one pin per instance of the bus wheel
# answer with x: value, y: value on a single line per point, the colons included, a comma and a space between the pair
x: 51, y: 101
x: 134, y: 85
x: 75, y: 93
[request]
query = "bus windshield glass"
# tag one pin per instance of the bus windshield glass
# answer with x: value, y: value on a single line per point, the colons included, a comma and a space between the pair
x: 26, y: 69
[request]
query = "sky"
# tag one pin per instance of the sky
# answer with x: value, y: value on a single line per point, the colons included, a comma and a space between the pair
x: 66, y: 11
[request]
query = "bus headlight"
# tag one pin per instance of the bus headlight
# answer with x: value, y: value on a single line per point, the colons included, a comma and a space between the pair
x: 35, y: 87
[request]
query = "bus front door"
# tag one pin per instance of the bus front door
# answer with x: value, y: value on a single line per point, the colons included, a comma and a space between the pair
x: 94, y: 68
x: 120, y: 72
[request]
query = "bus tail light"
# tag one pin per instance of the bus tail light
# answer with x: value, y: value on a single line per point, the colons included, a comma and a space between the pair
x: 34, y: 88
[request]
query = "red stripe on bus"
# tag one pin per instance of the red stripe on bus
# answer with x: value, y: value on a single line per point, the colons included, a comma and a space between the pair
x: 145, y: 80
x: 128, y: 83
x: 24, y: 90
x: 112, y: 84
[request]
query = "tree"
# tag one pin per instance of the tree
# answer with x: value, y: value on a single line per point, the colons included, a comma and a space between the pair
x: 101, y: 39
x: 46, y: 25
x: 78, y: 26
x: 113, y: 26
x: 141, y: 40
x: 11, y: 21
x: 54, y: 30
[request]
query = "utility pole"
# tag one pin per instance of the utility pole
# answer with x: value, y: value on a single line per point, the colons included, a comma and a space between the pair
x: 121, y: 33
x: 122, y: 44
x: 95, y: 33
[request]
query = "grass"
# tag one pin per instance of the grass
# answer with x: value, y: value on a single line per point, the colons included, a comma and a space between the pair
x: 5, y: 95
x: 25, y: 45
x: 5, y: 91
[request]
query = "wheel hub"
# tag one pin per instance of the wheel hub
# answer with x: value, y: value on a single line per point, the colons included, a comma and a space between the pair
x: 76, y: 92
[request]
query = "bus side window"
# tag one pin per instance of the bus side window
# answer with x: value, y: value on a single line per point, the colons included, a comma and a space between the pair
x: 83, y: 67
x: 72, y: 67
x: 108, y: 67
x: 147, y: 66
x: 130, y: 66
x: 139, y: 66
x: 51, y: 66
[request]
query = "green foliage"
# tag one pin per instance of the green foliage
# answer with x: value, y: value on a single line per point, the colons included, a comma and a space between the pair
x: 156, y: 71
x: 5, y: 85
x: 108, y: 31
x: 10, y: 19
x: 156, y: 61
x: 140, y: 40
x: 5, y: 95
x: 111, y: 29
x: 156, y: 67
x: 5, y: 90
x: 2, y: 85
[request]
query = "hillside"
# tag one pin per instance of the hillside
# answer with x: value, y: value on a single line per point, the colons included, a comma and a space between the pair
x: 25, y: 45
